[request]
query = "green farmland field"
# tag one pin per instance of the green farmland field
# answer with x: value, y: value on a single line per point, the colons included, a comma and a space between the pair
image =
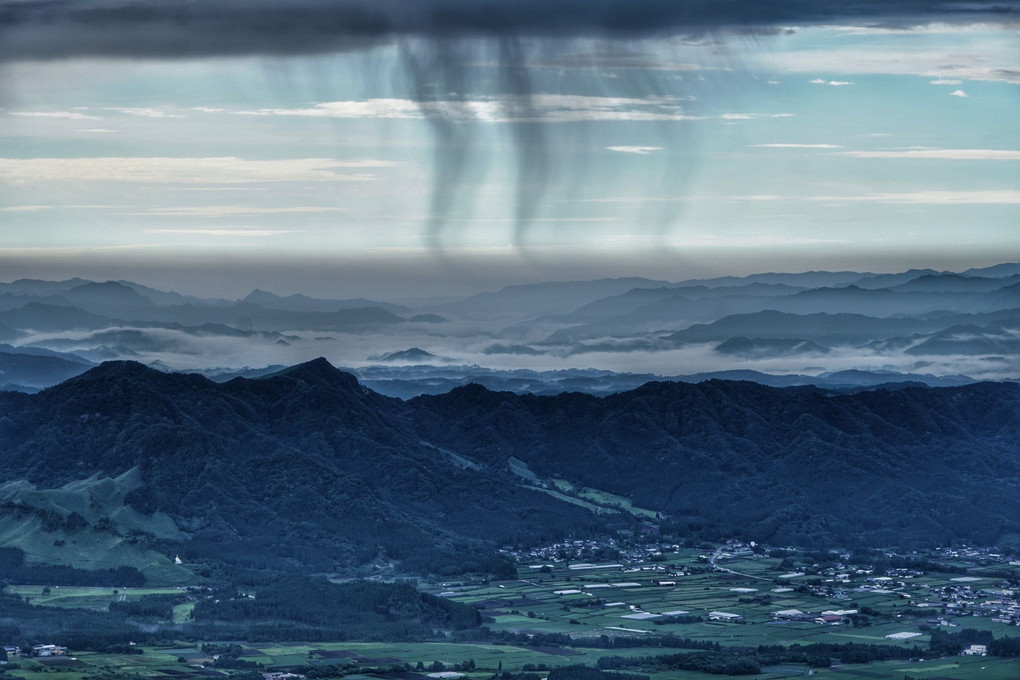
x: 589, y: 602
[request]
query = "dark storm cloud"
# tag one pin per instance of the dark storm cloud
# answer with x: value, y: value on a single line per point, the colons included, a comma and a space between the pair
x: 164, y: 28
x: 441, y: 42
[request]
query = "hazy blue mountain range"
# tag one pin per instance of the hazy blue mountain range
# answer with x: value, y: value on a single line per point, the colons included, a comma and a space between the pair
x: 305, y: 469
x: 303, y: 303
x: 635, y: 298
x: 780, y: 326
x: 956, y: 283
x: 407, y: 382
x: 412, y: 354
x: 542, y: 298
x: 32, y: 369
x: 830, y: 328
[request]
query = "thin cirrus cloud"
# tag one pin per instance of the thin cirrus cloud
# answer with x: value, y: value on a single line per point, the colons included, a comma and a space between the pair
x: 41, y: 208
x: 754, y: 116
x: 61, y: 115
x: 932, y: 197
x: 638, y: 150
x: 939, y: 154
x: 239, y: 232
x: 544, y: 108
x: 991, y: 197
x: 536, y: 108
x: 833, y: 83
x: 230, y: 211
x: 993, y: 62
x: 143, y: 112
x: 794, y: 146
x: 223, y: 170
x: 80, y: 113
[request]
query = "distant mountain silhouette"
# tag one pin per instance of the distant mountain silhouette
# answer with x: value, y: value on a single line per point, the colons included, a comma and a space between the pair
x: 37, y: 287
x: 955, y: 283
x: 540, y: 299
x: 411, y: 354
x: 34, y: 369
x: 38, y: 316
x: 303, y: 303
x: 766, y: 347
x: 760, y: 323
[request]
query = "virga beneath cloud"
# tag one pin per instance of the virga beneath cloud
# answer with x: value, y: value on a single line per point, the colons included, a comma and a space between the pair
x: 449, y: 127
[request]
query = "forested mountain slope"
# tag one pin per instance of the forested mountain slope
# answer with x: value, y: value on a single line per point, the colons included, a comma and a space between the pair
x: 793, y: 465
x: 308, y: 470
x: 304, y: 469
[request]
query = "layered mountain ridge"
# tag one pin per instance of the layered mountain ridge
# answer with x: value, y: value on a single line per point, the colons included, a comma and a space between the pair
x: 306, y: 469
x: 600, y: 336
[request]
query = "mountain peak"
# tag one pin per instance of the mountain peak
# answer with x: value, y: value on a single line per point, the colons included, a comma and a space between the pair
x: 316, y: 371
x: 109, y: 296
x: 258, y: 294
x: 118, y: 370
x: 106, y: 287
x: 411, y: 354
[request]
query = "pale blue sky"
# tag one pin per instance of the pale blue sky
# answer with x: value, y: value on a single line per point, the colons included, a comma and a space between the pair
x: 818, y: 147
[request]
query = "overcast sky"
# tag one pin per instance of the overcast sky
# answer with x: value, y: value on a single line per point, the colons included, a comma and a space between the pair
x: 345, y: 149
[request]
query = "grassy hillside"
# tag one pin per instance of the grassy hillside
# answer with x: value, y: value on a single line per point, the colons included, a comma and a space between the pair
x: 86, y: 524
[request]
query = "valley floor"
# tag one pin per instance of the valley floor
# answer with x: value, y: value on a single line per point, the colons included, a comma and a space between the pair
x: 566, y: 611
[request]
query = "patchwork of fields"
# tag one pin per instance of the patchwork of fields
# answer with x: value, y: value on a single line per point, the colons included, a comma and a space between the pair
x: 678, y: 594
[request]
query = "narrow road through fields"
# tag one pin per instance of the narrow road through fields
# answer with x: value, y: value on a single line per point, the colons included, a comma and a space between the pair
x: 714, y: 565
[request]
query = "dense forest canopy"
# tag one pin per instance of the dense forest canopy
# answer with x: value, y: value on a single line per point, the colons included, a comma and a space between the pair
x: 307, y: 470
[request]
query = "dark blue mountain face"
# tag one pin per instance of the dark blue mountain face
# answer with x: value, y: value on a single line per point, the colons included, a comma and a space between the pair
x: 794, y: 465
x: 306, y: 469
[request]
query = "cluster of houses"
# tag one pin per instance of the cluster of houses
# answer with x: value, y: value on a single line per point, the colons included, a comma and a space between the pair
x: 1001, y: 605
x: 838, y: 579
x: 979, y: 554
x: 37, y: 650
x: 832, y: 617
x: 737, y: 550
x: 594, y: 549
x: 960, y: 596
x: 724, y: 616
